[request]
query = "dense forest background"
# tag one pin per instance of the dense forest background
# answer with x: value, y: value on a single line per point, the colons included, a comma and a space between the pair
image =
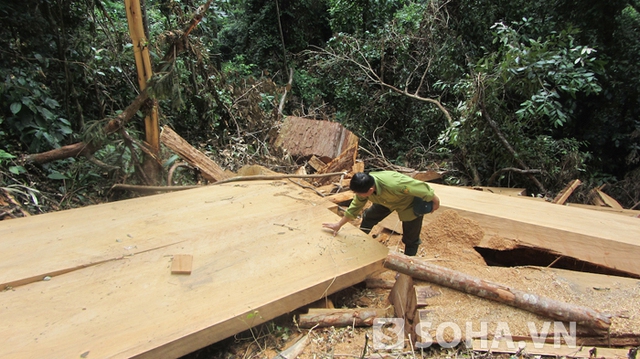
x: 503, y: 93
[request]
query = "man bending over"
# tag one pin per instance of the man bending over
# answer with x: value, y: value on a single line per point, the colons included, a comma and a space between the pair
x: 390, y: 191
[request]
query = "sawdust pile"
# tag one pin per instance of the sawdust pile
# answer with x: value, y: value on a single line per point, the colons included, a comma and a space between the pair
x: 448, y: 240
x: 451, y: 236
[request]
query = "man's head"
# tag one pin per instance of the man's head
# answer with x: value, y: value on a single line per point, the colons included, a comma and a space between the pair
x: 362, y: 183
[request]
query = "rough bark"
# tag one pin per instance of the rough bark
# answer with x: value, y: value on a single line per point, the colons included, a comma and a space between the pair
x: 209, y: 169
x: 360, y: 317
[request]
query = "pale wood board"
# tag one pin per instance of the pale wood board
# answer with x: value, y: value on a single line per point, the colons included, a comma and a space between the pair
x: 259, y: 252
x: 547, y: 349
x: 507, y: 191
x: 624, y: 212
x: 601, y: 238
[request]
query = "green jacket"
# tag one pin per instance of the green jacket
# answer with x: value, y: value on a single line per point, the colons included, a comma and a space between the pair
x: 394, y: 191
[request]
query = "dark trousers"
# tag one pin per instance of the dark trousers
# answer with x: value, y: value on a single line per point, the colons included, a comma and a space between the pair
x: 410, y: 229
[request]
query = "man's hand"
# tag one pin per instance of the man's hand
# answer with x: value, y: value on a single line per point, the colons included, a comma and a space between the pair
x: 436, y: 203
x: 335, y: 227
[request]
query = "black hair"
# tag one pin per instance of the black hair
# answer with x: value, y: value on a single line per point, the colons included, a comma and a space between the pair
x: 361, y: 182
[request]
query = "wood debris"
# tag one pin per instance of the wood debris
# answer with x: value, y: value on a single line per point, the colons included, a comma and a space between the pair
x: 562, y: 197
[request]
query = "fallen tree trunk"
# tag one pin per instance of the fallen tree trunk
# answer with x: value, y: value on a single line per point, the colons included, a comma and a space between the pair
x: 209, y: 169
x: 531, y: 302
x: 87, y: 148
x: 329, y: 317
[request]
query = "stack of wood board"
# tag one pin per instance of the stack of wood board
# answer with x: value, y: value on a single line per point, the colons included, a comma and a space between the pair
x: 96, y: 282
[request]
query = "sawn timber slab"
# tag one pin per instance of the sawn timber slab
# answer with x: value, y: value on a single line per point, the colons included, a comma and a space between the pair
x: 258, y: 252
x: 605, y: 239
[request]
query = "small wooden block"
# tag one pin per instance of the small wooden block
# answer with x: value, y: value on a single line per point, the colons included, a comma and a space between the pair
x: 317, y: 163
x: 181, y: 264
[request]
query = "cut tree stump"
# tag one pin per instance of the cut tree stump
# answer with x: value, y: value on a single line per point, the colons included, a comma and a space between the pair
x: 325, y: 317
x: 465, y: 283
x: 303, y: 138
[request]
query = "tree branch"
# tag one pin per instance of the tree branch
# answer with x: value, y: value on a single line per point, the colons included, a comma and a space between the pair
x: 115, y: 124
x: 511, y: 169
x: 366, y: 68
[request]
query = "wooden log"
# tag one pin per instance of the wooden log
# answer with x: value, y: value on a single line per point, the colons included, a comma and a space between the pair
x: 378, y: 283
x: 528, y: 301
x: 88, y: 148
x: 322, y: 317
x: 562, y: 197
x: 210, y: 170
x: 605, y: 239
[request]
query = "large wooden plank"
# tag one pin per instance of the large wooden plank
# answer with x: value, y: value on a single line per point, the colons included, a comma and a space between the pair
x: 601, y: 238
x: 258, y: 252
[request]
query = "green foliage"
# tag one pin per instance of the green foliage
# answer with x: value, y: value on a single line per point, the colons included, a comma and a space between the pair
x: 362, y: 16
x: 380, y: 81
x: 528, y: 88
x: 549, y: 73
x: 32, y: 111
x: 533, y: 68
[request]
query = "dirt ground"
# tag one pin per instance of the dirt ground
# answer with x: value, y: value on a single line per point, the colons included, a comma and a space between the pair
x: 448, y: 241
